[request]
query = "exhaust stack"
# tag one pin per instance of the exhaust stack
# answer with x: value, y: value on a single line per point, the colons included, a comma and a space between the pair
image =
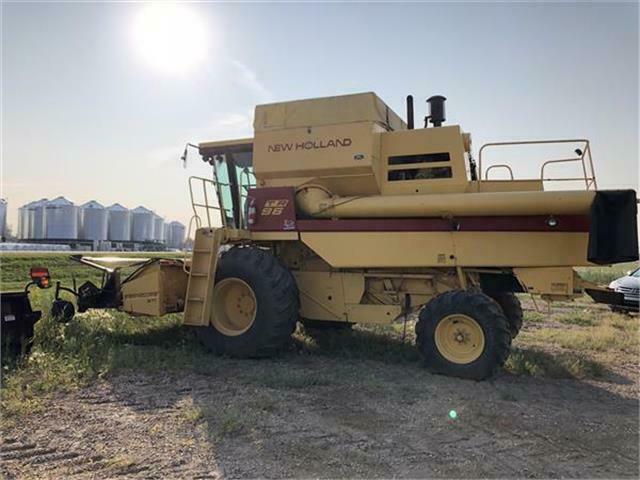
x: 436, y: 111
x: 410, y: 112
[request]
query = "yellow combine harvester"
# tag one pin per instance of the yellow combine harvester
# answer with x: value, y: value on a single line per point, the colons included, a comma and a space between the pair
x: 338, y: 212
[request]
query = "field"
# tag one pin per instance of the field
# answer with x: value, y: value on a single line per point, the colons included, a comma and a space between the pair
x: 111, y: 395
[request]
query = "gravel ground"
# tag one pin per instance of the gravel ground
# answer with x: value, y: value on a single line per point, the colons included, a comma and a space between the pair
x: 314, y: 416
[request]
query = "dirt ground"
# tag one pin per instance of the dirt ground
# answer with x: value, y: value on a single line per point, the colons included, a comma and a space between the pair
x: 315, y: 416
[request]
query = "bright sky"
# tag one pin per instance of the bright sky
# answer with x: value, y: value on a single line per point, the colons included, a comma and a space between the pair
x: 99, y: 99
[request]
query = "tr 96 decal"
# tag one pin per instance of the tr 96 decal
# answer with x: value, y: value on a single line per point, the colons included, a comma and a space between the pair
x: 274, y: 207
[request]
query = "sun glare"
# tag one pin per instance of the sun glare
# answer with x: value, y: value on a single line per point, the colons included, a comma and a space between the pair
x: 171, y: 38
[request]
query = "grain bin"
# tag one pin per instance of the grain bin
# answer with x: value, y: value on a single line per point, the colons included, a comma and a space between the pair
x: 158, y: 228
x: 19, y: 232
x: 61, y: 219
x: 143, y: 224
x: 36, y: 219
x: 23, y: 222
x: 119, y: 229
x: 176, y: 233
x: 3, y: 217
x: 166, y: 233
x: 94, y: 221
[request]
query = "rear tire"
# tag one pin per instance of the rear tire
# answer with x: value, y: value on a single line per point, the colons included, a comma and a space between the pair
x: 512, y: 310
x: 275, y: 307
x: 463, y: 334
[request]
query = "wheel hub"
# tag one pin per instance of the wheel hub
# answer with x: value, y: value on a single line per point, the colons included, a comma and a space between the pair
x: 459, y: 339
x: 234, y: 307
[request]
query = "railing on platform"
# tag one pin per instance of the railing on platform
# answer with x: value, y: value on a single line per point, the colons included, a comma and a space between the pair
x: 584, y: 158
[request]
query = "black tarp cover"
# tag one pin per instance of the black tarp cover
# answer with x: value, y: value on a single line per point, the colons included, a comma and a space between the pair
x: 613, y: 231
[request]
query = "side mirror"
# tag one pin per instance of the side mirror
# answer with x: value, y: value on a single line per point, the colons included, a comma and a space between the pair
x: 184, y: 158
x: 40, y: 276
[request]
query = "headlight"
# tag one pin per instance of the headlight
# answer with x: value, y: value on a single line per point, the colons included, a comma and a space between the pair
x: 613, y: 285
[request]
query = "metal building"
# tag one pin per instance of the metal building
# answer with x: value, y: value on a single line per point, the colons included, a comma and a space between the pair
x: 36, y: 219
x: 94, y: 221
x: 23, y: 222
x: 176, y: 234
x: 3, y: 217
x: 166, y: 229
x: 158, y: 228
x: 142, y: 224
x: 119, y: 223
x: 61, y: 219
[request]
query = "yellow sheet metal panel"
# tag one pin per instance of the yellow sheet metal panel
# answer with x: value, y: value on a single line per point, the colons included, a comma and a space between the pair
x: 424, y: 141
x: 382, y: 249
x: 442, y: 249
x: 546, y: 281
x: 521, y: 249
x: 322, y: 294
x: 158, y: 289
x: 359, y: 107
x: 273, y: 236
x: 319, y: 151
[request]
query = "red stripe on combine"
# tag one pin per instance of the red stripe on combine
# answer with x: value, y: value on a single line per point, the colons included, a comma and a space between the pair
x: 537, y: 223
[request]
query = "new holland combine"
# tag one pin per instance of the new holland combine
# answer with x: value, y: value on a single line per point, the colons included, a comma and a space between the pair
x: 339, y: 212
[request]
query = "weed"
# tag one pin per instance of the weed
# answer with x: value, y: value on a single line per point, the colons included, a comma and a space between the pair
x: 230, y: 422
x: 558, y: 365
x: 580, y: 318
x: 191, y: 414
x: 533, y: 316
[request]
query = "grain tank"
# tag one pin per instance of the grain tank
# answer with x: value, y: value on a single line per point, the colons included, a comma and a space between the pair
x: 142, y: 224
x: 94, y: 221
x: 36, y: 219
x: 61, y: 219
x: 119, y: 224
x: 3, y: 218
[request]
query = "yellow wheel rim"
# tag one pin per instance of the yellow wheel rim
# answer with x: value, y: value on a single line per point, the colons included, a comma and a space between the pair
x: 459, y: 338
x: 233, y: 307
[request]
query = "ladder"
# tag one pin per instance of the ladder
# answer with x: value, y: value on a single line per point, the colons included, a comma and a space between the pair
x: 197, y: 309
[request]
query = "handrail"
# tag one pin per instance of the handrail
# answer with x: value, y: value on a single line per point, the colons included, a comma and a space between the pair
x: 198, y: 224
x: 498, y: 165
x: 585, y: 156
x: 207, y: 207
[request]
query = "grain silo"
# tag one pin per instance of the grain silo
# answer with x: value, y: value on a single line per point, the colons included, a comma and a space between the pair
x: 158, y: 228
x: 61, y: 219
x: 23, y: 222
x: 166, y: 232
x: 3, y: 217
x: 176, y: 234
x: 36, y: 219
x: 142, y: 224
x: 119, y: 229
x: 19, y: 232
x: 94, y: 221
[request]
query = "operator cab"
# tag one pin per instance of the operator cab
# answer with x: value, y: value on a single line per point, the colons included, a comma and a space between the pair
x: 233, y: 174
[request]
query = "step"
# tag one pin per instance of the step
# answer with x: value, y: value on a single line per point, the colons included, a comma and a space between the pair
x: 196, y: 299
x: 199, y: 274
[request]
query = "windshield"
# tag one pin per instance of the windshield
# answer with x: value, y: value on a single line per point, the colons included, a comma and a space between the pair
x: 635, y: 273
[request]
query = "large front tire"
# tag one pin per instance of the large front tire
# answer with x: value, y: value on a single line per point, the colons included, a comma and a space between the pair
x: 463, y: 334
x: 254, y: 307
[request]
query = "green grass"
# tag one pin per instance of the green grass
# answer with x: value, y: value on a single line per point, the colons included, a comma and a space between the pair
x: 539, y: 363
x: 606, y: 274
